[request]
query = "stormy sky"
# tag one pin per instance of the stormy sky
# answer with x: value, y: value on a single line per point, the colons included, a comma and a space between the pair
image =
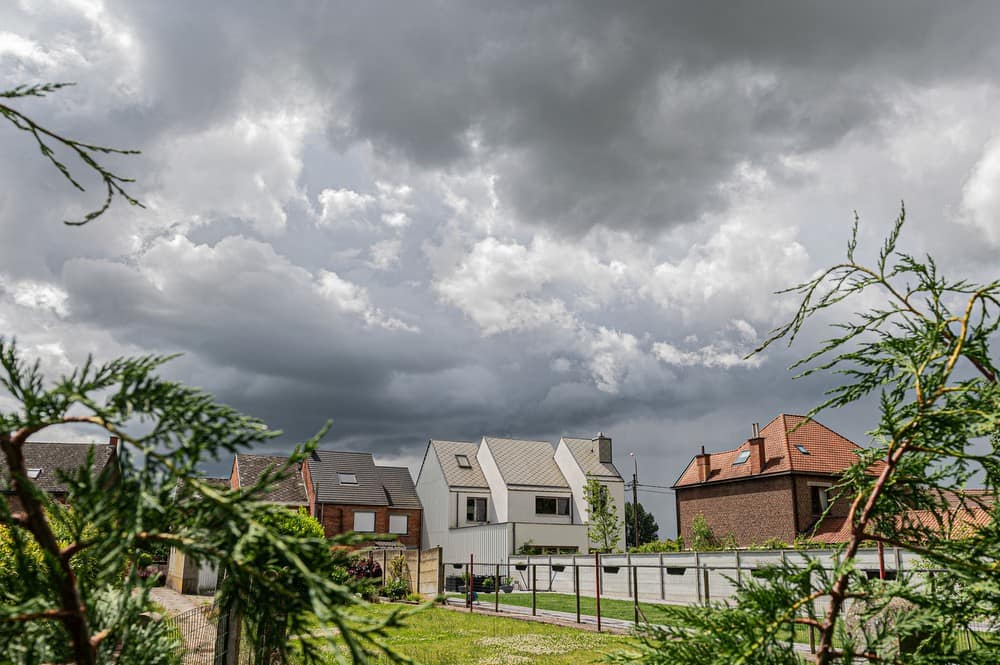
x: 445, y: 220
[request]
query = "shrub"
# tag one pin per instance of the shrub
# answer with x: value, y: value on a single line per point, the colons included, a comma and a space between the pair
x: 395, y: 589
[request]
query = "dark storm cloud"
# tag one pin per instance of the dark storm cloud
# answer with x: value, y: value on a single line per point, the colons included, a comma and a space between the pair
x: 640, y: 117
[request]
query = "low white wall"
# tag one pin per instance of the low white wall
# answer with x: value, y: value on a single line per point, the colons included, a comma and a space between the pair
x: 678, y: 577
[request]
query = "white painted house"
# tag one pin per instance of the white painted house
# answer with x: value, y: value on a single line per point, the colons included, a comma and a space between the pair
x: 492, y: 498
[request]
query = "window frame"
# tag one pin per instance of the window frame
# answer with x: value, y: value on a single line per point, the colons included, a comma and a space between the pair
x: 458, y: 461
x: 742, y: 458
x: 558, y: 502
x: 364, y: 512
x: 819, y: 492
x: 342, y: 474
x: 406, y: 523
x: 474, y: 502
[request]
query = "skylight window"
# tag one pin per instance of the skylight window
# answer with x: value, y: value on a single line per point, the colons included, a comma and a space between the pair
x: 463, y: 461
x: 802, y: 449
x: 742, y: 458
x: 347, y: 478
x: 34, y: 473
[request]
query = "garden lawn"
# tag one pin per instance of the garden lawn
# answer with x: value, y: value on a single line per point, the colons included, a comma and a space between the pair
x: 561, y: 602
x: 441, y: 636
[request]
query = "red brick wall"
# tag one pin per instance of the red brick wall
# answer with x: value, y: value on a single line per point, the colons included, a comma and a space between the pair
x: 752, y: 510
x: 338, y: 519
x: 841, y: 505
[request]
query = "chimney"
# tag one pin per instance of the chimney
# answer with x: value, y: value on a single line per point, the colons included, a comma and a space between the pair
x: 704, y: 463
x: 756, y: 450
x: 603, y: 445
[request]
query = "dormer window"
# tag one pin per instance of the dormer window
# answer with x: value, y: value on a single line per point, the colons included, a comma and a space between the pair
x: 802, y: 449
x: 34, y: 473
x: 347, y: 478
x: 742, y: 458
x: 463, y: 461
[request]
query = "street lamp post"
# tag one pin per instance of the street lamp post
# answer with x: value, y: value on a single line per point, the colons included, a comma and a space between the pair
x: 635, y: 499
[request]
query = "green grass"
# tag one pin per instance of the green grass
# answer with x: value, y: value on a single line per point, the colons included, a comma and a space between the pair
x: 610, y: 608
x: 441, y: 636
x: 561, y: 602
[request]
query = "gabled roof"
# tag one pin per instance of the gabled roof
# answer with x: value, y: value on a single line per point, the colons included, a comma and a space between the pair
x: 53, y: 457
x: 828, y: 453
x: 525, y: 462
x: 325, y: 467
x: 291, y: 489
x: 584, y: 451
x: 455, y: 475
x: 398, y: 486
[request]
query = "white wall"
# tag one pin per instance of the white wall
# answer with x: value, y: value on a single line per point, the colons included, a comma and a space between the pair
x: 490, y: 543
x: 458, y: 517
x: 434, y: 495
x: 521, y: 505
x: 498, y: 488
x: 574, y: 476
x: 559, y: 535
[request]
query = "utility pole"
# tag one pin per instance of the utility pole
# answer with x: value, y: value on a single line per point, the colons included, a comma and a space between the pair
x: 635, y: 499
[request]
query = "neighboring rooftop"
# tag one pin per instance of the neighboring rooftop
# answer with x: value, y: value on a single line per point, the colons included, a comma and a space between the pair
x: 585, y: 453
x: 811, y: 448
x: 526, y: 462
x: 331, y: 472
x: 290, y: 489
x: 399, y: 488
x: 44, y: 461
x: 450, y: 454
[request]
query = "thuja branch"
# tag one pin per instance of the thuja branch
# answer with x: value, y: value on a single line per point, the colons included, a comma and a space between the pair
x: 85, y: 152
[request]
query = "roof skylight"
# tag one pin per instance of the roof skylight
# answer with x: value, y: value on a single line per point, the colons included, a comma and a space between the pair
x: 802, y: 449
x: 34, y: 473
x: 742, y: 458
x: 463, y: 461
x: 347, y: 478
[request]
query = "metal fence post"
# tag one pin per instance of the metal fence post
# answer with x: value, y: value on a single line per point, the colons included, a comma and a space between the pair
x: 576, y: 587
x: 704, y: 573
x: 496, y: 591
x: 472, y: 583
x: 663, y: 588
x: 635, y: 587
x: 597, y: 587
x: 534, y: 587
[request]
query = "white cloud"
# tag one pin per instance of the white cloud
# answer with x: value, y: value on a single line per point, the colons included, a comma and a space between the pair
x: 36, y: 295
x: 981, y: 194
x: 352, y: 298
x: 246, y: 169
x: 724, y: 353
x: 385, y: 253
x: 340, y: 205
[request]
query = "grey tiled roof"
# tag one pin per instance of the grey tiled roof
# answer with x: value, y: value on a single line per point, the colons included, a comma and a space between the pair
x: 526, y: 462
x: 291, y: 489
x: 50, y: 457
x: 324, y: 467
x: 455, y: 475
x: 584, y: 451
x: 398, y: 485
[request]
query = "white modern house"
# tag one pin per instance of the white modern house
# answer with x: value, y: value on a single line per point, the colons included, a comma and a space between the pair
x: 490, y: 499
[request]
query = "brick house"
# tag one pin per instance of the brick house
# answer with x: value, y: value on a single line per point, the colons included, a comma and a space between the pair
x: 776, y: 484
x: 345, y: 491
x: 46, y: 461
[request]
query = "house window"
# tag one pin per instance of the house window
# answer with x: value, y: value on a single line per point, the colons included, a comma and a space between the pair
x: 364, y: 522
x: 551, y: 505
x: 802, y: 449
x: 347, y: 478
x: 34, y: 473
x: 475, y: 509
x: 742, y: 458
x: 397, y: 524
x: 818, y: 498
x: 463, y: 461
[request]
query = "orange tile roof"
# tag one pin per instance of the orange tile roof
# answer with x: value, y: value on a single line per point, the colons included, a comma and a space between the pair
x: 829, y: 452
x: 958, y: 521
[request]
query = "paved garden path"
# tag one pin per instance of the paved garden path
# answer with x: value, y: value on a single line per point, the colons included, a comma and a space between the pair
x: 191, y: 616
